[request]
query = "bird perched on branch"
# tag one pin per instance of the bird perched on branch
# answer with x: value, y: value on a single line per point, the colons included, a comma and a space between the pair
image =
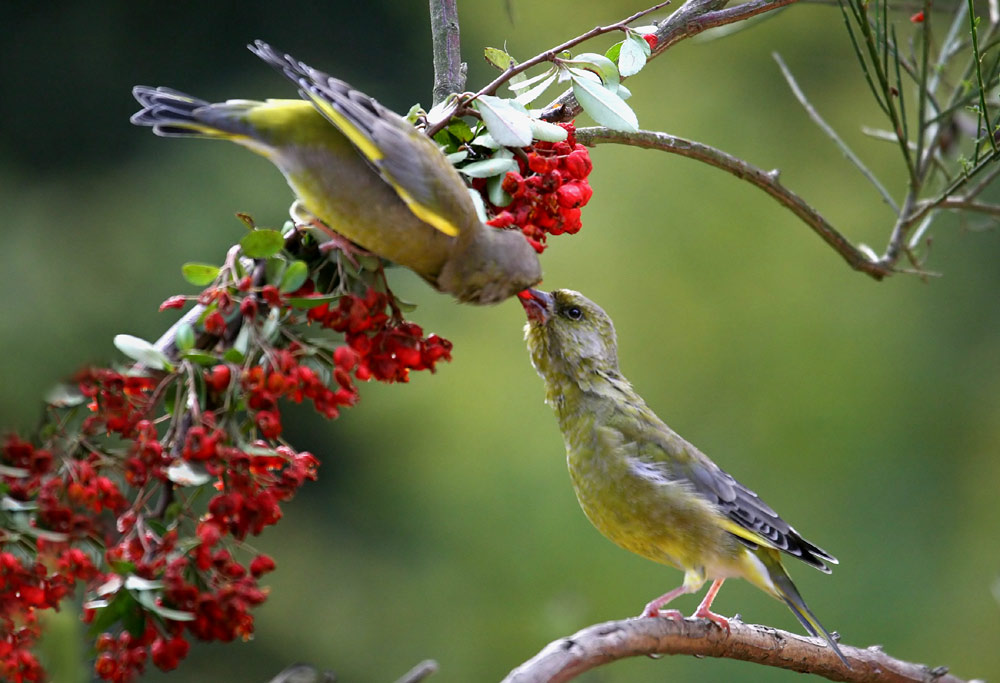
x: 641, y: 484
x: 363, y: 171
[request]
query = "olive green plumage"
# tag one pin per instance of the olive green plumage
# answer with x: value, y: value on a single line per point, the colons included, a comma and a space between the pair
x: 640, y: 483
x: 363, y: 171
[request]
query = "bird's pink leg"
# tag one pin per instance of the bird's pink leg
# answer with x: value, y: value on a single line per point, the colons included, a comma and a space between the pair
x: 653, y: 608
x: 703, y: 611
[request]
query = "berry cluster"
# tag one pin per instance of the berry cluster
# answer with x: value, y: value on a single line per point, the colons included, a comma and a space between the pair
x: 548, y: 191
x: 118, y: 480
x: 379, y: 345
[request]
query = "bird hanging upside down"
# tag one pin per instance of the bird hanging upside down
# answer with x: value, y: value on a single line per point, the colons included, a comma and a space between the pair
x: 363, y: 171
x: 641, y: 484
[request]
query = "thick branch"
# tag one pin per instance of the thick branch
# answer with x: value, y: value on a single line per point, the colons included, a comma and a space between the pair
x: 690, y: 19
x: 449, y: 70
x: 566, y: 658
x: 765, y: 180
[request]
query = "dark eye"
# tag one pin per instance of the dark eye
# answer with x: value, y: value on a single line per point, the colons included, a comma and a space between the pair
x: 574, y: 313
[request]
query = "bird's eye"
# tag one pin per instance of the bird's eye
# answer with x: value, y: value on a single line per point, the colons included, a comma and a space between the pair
x: 574, y: 313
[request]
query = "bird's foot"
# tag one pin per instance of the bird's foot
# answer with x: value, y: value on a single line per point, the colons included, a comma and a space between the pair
x: 652, y: 610
x: 717, y: 619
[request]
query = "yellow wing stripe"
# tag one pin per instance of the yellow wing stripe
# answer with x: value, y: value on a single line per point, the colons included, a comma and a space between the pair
x: 373, y: 153
x: 425, y: 214
x: 357, y: 137
x: 736, y: 530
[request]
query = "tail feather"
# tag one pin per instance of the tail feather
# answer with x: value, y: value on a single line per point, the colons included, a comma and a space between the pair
x: 789, y: 594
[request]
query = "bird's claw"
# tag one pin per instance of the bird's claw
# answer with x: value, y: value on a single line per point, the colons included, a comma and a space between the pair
x: 717, y: 619
x: 652, y: 611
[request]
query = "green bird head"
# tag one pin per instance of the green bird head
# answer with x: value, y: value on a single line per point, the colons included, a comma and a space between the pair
x: 569, y: 335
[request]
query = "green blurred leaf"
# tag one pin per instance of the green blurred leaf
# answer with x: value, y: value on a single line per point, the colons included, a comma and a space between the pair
x: 477, y: 201
x: 148, y: 600
x: 200, y: 274
x: 184, y: 473
x: 604, y: 106
x: 200, y: 357
x: 495, y: 191
x: 274, y: 269
x: 142, y: 351
x: 234, y: 356
x: 65, y: 396
x: 508, y: 126
x: 262, y: 243
x: 294, y: 276
x: 311, y: 301
x: 614, y: 51
x: 457, y: 157
x: 485, y: 140
x: 184, y: 339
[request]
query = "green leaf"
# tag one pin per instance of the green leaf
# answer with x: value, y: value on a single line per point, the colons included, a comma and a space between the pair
x: 457, y: 157
x: 200, y: 357
x: 271, y: 326
x: 199, y: 274
x: 294, y: 276
x: 368, y: 261
x: 65, y: 396
x: 184, y: 339
x: 633, y: 55
x: 274, y: 268
x: 508, y: 126
x: 547, y: 132
x: 142, y: 351
x: 598, y: 64
x: 604, y: 106
x: 262, y: 243
x: 137, y: 583
x: 460, y: 129
x: 614, y: 51
x: 623, y: 92
x: 17, y: 473
x: 8, y: 504
x: 495, y: 191
x: 311, y: 301
x: 521, y: 85
x: 487, y: 168
x: 110, y: 612
x: 234, y: 356
x: 498, y: 58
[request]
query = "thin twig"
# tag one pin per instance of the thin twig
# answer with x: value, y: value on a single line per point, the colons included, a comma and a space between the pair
x: 832, y: 134
x: 449, y: 70
x: 766, y: 181
x: 419, y: 672
x: 564, y: 659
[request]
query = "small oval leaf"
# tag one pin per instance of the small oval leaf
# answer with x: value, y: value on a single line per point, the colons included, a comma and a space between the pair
x: 262, y: 243
x: 547, y: 132
x: 294, y: 277
x: 199, y: 274
x: 184, y: 338
x: 633, y: 55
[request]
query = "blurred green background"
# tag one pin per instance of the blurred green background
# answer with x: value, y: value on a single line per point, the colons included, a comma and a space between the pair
x: 443, y: 524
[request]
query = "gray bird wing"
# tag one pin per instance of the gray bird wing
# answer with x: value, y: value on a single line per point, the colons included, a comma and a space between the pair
x: 406, y: 159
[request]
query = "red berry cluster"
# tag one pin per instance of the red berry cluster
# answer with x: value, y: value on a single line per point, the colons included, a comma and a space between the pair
x: 379, y: 345
x: 27, y: 586
x: 120, y: 476
x: 548, y: 191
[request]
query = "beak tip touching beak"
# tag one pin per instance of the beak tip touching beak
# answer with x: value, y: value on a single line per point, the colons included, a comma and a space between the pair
x: 537, y: 305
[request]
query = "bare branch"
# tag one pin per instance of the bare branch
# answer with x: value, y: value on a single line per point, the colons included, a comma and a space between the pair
x: 566, y: 658
x: 449, y: 70
x: 419, y: 672
x: 765, y: 180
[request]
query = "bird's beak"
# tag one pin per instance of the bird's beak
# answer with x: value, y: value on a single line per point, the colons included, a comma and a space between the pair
x: 537, y: 304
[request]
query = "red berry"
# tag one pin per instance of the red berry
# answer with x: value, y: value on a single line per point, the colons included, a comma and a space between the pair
x: 218, y: 378
x: 651, y: 39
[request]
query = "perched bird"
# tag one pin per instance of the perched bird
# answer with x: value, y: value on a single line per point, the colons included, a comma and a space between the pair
x: 363, y: 171
x: 641, y: 484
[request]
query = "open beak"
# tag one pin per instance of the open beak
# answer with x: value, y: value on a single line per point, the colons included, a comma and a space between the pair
x: 537, y: 304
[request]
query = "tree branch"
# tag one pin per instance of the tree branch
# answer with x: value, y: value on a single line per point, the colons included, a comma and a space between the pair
x: 449, y: 70
x: 765, y: 180
x: 690, y: 19
x: 564, y: 659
